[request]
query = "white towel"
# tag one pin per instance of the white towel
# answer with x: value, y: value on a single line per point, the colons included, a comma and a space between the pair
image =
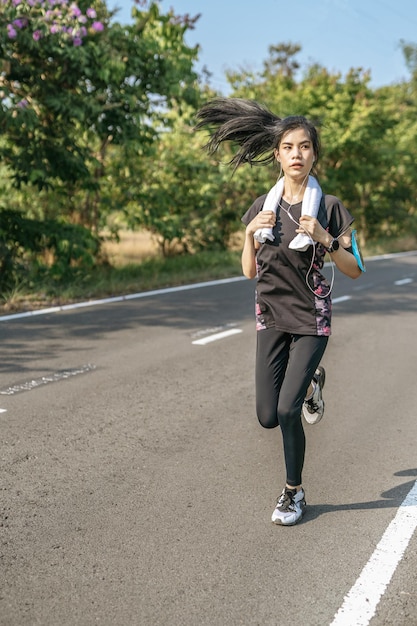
x: 310, y: 206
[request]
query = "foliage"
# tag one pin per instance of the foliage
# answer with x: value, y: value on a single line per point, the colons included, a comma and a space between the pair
x: 368, y: 136
x: 47, y: 51
x: 188, y: 201
x: 24, y: 242
x: 76, y: 89
x: 70, y: 87
x: 96, y: 133
x: 105, y: 280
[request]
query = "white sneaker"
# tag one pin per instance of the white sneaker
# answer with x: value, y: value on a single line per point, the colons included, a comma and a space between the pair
x: 313, y: 409
x: 290, y: 507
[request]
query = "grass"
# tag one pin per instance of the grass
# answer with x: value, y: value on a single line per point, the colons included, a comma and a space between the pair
x: 136, y: 266
x: 120, y: 279
x: 389, y: 246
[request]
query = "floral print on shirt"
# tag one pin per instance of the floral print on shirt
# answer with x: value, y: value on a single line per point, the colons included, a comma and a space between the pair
x: 322, y: 295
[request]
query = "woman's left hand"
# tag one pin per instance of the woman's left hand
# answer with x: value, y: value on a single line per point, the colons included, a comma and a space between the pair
x: 312, y: 227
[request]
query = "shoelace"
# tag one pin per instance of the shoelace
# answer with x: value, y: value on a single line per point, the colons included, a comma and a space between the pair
x: 286, y: 502
x: 312, y: 406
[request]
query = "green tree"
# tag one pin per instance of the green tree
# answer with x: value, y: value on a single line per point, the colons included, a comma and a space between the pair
x: 282, y: 60
x: 47, y: 51
x: 365, y: 133
x: 156, y: 74
x: 77, y: 89
x: 68, y: 92
x: 190, y: 202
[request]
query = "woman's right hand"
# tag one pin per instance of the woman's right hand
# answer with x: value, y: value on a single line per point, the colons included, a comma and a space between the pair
x: 264, y: 219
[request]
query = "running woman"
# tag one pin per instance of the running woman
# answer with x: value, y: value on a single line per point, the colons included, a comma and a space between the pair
x: 289, y: 230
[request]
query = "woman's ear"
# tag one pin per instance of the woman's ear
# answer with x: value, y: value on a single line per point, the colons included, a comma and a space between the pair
x: 276, y: 155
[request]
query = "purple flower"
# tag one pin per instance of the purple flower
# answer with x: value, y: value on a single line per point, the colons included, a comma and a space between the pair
x: 91, y: 13
x: 37, y: 35
x: 97, y: 26
x: 22, y: 104
x: 16, y: 2
x: 75, y: 11
x: 77, y: 41
x: 11, y: 33
x: 20, y: 23
x: 55, y: 28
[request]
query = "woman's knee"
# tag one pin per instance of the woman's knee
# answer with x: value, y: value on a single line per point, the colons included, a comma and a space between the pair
x: 288, y: 415
x: 267, y: 416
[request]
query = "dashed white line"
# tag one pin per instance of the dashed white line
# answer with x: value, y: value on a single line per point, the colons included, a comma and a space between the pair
x: 360, y: 603
x: 341, y: 299
x: 403, y: 281
x: 234, y: 331
x: 216, y: 336
x: 45, y: 380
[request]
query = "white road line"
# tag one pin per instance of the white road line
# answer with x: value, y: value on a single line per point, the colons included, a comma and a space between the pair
x: 235, y: 331
x: 157, y: 292
x: 3, y: 410
x: 404, y: 281
x: 360, y: 603
x: 216, y: 336
x: 46, y: 380
x: 131, y: 296
x: 341, y: 299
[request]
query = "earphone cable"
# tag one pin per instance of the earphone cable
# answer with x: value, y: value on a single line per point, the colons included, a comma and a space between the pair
x: 313, y: 243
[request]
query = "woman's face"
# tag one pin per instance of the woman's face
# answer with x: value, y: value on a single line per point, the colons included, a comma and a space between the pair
x: 296, y: 154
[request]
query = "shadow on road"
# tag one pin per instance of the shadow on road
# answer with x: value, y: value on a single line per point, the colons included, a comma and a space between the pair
x: 393, y: 499
x: 42, y: 337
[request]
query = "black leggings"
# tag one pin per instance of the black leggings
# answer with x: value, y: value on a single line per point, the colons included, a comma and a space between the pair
x: 285, y: 364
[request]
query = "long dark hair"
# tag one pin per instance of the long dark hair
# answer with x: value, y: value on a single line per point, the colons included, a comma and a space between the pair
x: 251, y: 127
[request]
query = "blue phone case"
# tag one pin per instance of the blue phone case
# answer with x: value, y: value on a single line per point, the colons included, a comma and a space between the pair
x: 357, y: 253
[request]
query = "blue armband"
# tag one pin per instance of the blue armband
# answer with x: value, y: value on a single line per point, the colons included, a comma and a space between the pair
x: 357, y: 253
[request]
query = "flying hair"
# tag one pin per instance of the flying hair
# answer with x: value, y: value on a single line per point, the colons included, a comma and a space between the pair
x: 250, y: 127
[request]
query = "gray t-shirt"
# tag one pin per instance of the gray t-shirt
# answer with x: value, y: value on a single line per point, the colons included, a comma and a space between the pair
x: 292, y: 295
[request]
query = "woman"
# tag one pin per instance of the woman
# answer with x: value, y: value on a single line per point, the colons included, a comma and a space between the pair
x: 288, y: 232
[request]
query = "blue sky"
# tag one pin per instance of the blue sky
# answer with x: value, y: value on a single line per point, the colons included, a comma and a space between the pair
x: 338, y: 34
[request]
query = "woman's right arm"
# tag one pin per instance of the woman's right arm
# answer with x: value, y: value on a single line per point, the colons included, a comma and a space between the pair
x: 249, y: 256
x: 264, y: 219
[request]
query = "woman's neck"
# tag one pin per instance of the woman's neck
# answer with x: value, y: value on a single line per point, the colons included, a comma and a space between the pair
x: 294, y: 190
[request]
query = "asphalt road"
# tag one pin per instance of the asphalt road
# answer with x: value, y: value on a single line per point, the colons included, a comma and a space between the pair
x: 137, y: 486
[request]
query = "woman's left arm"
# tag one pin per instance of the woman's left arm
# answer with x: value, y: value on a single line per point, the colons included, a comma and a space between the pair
x: 344, y: 260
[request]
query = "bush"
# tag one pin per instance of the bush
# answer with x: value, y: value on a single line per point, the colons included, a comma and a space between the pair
x: 31, y: 246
